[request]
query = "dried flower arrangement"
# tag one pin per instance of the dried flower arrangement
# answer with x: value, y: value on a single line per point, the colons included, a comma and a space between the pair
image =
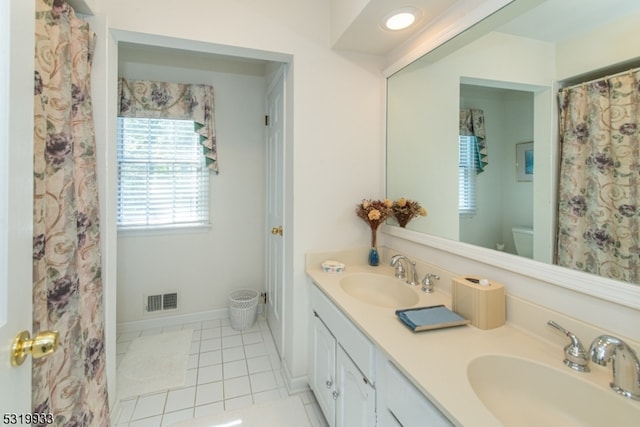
x: 374, y: 213
x: 404, y: 210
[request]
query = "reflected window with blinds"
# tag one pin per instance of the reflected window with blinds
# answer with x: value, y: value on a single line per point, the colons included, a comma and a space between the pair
x: 163, y: 181
x: 467, y: 175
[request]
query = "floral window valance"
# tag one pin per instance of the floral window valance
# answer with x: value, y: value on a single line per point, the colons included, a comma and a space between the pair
x: 472, y: 124
x: 162, y: 100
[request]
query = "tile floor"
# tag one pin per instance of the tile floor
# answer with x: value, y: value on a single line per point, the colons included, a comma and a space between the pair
x: 227, y: 369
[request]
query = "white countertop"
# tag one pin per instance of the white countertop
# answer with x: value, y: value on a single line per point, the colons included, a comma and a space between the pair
x: 436, y: 361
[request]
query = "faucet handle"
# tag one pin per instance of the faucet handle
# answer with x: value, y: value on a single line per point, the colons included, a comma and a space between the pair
x: 576, y: 356
x: 427, y: 282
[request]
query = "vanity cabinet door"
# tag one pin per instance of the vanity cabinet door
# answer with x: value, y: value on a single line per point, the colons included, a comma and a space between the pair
x: 323, y: 377
x: 355, y: 397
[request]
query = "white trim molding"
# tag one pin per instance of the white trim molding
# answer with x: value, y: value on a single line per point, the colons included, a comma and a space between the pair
x: 625, y: 294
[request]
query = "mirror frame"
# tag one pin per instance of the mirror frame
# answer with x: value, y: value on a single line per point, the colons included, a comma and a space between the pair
x: 621, y: 293
x: 600, y: 287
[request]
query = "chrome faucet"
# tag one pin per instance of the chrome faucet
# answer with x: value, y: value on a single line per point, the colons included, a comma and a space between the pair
x: 624, y: 362
x: 407, y: 272
x: 575, y: 355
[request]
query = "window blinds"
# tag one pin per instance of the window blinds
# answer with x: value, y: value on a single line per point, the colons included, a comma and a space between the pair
x: 467, y: 176
x: 162, y: 177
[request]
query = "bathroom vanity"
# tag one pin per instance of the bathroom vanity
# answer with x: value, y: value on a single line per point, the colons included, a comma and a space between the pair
x: 343, y: 375
x: 368, y: 369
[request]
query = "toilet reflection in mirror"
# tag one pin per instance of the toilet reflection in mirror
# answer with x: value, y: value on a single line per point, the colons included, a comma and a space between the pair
x: 523, y: 240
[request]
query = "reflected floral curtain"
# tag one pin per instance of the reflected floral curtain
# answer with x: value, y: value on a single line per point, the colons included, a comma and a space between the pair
x: 67, y: 284
x: 598, y: 218
x: 156, y: 100
x: 472, y: 124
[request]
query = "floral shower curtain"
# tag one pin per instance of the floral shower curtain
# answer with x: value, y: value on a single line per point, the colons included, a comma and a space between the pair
x: 599, y: 215
x: 67, y: 284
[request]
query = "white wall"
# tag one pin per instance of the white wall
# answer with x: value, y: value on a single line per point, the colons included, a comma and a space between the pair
x: 518, y: 201
x: 613, y: 43
x: 336, y: 135
x: 205, y: 265
x: 422, y: 144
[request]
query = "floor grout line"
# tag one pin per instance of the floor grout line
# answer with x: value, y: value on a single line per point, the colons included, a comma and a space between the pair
x: 230, y: 392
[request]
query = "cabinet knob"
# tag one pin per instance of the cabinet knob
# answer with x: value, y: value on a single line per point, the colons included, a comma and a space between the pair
x: 335, y: 395
x: 329, y: 383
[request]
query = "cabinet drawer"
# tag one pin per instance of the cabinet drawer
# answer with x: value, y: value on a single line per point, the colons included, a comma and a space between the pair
x: 406, y: 404
x: 354, y: 342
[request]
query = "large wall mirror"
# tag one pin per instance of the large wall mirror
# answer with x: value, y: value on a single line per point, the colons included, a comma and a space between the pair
x: 511, y: 70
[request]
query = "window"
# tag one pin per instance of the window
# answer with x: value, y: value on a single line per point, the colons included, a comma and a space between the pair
x: 162, y: 177
x: 467, y: 176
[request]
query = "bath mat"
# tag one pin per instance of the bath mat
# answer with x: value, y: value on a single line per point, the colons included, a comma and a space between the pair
x: 154, y: 363
x: 287, y: 412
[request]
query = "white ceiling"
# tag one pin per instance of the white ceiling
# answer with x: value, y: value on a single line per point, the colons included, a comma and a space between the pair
x: 367, y: 35
x: 552, y: 21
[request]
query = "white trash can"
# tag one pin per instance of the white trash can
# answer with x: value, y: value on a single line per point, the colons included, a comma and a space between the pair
x: 243, y: 308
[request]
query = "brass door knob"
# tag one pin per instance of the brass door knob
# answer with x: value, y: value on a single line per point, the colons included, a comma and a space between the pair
x: 42, y: 344
x: 277, y: 231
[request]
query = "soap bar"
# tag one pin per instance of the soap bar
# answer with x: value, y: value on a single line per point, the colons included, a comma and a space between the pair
x: 428, y: 318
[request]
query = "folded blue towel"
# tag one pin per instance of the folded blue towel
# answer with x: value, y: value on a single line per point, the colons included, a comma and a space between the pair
x: 425, y: 318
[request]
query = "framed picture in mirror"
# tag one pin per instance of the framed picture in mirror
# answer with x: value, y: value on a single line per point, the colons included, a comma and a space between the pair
x: 524, y: 161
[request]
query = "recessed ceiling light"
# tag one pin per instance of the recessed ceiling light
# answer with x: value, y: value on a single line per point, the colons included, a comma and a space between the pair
x: 400, y: 19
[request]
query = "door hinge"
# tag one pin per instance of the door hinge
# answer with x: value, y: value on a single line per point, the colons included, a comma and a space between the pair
x: 266, y: 120
x: 264, y: 297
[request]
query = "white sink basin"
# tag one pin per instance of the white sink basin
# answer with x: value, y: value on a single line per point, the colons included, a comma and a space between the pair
x: 523, y: 393
x: 379, y: 290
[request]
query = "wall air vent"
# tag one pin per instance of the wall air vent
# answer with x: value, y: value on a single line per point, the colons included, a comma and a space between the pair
x: 170, y: 301
x: 160, y: 302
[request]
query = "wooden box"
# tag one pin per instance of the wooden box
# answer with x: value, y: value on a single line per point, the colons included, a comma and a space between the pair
x: 480, y: 301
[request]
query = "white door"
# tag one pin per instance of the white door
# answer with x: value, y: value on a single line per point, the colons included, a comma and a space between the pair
x: 16, y: 194
x: 275, y: 210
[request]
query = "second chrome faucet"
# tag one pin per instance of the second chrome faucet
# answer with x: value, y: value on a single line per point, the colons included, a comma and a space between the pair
x: 604, y: 349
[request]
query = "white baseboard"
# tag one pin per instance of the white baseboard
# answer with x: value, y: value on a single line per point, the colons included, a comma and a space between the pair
x: 176, y: 319
x: 294, y: 384
x: 159, y: 322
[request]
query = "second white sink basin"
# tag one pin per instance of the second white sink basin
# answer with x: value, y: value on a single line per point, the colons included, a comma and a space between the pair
x: 522, y: 393
x: 379, y: 290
